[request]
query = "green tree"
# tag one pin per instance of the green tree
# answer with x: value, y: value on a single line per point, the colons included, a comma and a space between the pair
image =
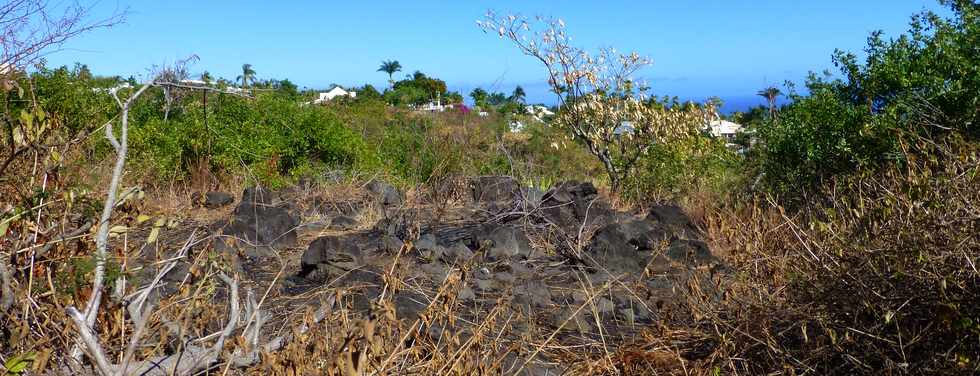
x: 496, y: 99
x: 84, y: 73
x: 390, y: 67
x: 286, y: 88
x: 921, y: 84
x: 406, y: 95
x: 453, y: 97
x: 248, y: 75
x: 479, y: 97
x: 368, y: 92
x: 206, y: 77
x: 432, y: 87
x: 518, y: 95
x: 770, y: 93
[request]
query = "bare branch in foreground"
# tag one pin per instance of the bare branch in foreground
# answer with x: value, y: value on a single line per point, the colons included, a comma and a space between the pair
x: 6, y: 293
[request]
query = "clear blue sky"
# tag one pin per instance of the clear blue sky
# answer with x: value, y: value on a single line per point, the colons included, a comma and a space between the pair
x: 719, y: 48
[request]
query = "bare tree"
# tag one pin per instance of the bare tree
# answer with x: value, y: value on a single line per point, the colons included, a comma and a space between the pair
x: 121, y: 146
x: 169, y: 79
x: 194, y: 358
x: 29, y: 29
x: 166, y: 78
x: 601, y: 103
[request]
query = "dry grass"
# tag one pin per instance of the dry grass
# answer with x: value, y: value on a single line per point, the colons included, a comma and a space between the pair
x: 877, y: 277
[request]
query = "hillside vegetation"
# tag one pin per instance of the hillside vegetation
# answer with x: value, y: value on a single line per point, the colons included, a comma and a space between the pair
x: 840, y: 234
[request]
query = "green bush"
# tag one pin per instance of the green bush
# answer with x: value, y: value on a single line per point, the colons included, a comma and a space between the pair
x: 817, y: 137
x: 273, y: 136
x: 698, y: 164
x: 924, y: 82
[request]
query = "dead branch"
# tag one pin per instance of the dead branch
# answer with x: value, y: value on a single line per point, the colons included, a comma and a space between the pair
x: 102, y: 235
x: 30, y: 29
x: 195, y: 359
x: 91, y: 343
x: 6, y: 293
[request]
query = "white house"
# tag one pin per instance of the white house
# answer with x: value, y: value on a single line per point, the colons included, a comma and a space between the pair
x: 724, y: 129
x: 337, y: 91
x: 123, y: 85
x: 436, y: 106
x: 625, y: 127
x: 539, y: 112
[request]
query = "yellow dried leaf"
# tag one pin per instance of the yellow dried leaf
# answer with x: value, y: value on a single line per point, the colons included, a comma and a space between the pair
x: 154, y: 234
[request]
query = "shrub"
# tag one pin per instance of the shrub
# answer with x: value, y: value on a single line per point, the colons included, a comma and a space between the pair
x: 697, y: 164
x: 274, y: 136
x: 923, y: 82
x: 817, y: 137
x: 881, y: 279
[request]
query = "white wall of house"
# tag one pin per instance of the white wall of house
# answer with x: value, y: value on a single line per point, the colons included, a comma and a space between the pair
x: 724, y: 129
x: 333, y: 93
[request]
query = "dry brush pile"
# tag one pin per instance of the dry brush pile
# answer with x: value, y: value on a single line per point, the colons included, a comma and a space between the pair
x: 877, y: 277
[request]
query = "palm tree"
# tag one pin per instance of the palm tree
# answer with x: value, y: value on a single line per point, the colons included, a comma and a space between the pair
x: 248, y: 74
x: 390, y: 67
x: 518, y: 94
x: 479, y: 97
x: 770, y: 93
x: 206, y: 77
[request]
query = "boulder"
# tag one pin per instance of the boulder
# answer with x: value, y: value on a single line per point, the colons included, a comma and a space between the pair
x: 534, y: 294
x: 259, y: 195
x: 494, y: 189
x: 570, y: 204
x: 625, y: 246
x: 342, y: 223
x: 426, y: 242
x: 504, y: 242
x: 457, y: 254
x: 673, y: 218
x: 690, y: 252
x: 386, y: 194
x: 212, y: 200
x: 343, y: 252
x: 261, y: 223
x: 466, y: 294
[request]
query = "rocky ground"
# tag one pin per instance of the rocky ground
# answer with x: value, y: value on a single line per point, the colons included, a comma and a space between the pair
x: 560, y: 268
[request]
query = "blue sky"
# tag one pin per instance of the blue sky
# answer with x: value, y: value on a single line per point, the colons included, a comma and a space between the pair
x: 728, y: 49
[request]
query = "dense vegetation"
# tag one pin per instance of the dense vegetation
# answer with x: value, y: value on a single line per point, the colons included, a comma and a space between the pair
x: 849, y: 214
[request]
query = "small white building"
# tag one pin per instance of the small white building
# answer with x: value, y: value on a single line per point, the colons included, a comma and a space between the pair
x: 724, y: 129
x: 435, y: 106
x: 539, y: 112
x: 337, y: 91
x: 123, y: 85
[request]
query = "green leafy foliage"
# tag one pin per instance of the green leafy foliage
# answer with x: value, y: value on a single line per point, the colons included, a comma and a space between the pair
x: 696, y: 164
x: 924, y: 82
x: 817, y: 137
x: 273, y: 136
x: 19, y: 364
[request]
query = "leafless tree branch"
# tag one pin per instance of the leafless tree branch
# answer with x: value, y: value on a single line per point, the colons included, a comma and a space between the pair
x: 29, y: 29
